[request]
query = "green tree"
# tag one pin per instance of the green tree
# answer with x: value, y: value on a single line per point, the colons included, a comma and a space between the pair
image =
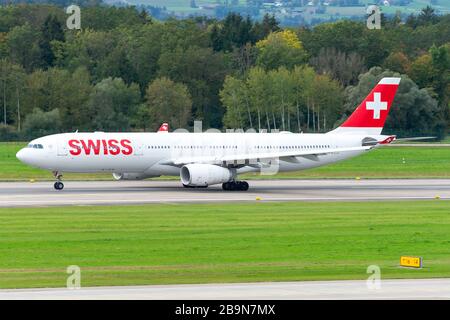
x: 12, y: 87
x: 327, y: 102
x: 57, y: 88
x: 40, y: 123
x: 432, y: 71
x: 422, y: 71
x: 427, y: 16
x: 282, y: 97
x: 89, y: 49
x: 374, y: 47
x: 23, y: 46
x: 344, y: 67
x: 344, y: 35
x: 280, y: 49
x: 141, y: 118
x: 262, y: 29
x: 203, y: 71
x: 106, y: 18
x: 440, y: 57
x: 143, y: 47
x: 168, y: 102
x: 50, y: 31
x: 259, y: 91
x: 112, y: 104
x: 398, y: 62
x: 234, y: 31
x: 233, y: 97
x: 303, y: 77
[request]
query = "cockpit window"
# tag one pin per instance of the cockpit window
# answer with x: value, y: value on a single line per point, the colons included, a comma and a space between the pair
x: 35, y: 146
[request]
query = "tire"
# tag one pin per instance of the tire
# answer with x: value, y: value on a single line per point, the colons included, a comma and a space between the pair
x: 58, y: 185
x: 235, y: 186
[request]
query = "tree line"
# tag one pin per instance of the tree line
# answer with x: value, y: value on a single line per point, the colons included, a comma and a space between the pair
x: 127, y: 71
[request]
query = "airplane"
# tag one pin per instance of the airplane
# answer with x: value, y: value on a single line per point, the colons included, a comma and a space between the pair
x: 204, y: 159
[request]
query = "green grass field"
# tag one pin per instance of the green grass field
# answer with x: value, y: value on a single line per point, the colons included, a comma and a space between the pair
x: 168, y: 244
x: 387, y: 162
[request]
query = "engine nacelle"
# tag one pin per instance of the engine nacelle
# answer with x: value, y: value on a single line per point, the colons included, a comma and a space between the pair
x: 131, y: 176
x: 203, y: 175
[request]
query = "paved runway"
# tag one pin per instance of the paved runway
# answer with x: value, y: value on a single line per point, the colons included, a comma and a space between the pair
x: 16, y: 194
x: 389, y: 289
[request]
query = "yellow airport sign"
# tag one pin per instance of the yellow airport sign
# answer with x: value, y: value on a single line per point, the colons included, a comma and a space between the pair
x: 408, y: 261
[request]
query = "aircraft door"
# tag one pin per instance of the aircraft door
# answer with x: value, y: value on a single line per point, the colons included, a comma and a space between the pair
x: 138, y: 148
x: 62, y: 147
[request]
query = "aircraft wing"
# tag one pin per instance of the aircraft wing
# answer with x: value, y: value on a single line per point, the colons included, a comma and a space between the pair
x: 256, y: 157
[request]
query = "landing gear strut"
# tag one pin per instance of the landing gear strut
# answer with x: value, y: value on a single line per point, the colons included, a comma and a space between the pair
x: 58, y: 184
x: 235, y: 186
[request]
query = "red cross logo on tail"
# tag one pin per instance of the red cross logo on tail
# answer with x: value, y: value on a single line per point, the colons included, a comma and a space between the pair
x: 376, y: 105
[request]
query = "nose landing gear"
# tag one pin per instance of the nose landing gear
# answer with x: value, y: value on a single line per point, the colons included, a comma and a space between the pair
x: 235, y: 186
x: 58, y: 184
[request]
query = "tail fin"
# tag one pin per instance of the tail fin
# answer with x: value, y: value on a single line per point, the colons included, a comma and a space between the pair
x: 164, y: 127
x: 369, y: 117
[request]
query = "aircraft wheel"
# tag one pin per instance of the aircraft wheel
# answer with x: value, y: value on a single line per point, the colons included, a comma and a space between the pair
x: 235, y: 186
x: 58, y: 185
x: 244, y: 186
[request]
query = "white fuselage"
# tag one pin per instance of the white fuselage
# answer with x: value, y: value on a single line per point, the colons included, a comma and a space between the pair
x: 150, y: 154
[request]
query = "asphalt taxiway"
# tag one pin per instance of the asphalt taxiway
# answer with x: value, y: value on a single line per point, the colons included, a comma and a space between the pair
x: 23, y: 194
x: 347, y: 289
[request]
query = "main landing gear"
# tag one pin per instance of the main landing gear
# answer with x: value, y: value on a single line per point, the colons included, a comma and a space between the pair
x: 58, y: 184
x: 235, y: 186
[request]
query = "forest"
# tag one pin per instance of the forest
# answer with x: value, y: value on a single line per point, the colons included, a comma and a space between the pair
x: 126, y: 71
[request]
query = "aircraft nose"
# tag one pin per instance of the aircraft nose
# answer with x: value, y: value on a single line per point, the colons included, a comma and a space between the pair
x: 21, y: 155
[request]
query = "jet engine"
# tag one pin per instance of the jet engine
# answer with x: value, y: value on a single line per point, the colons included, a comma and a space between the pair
x: 203, y: 175
x: 131, y: 176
